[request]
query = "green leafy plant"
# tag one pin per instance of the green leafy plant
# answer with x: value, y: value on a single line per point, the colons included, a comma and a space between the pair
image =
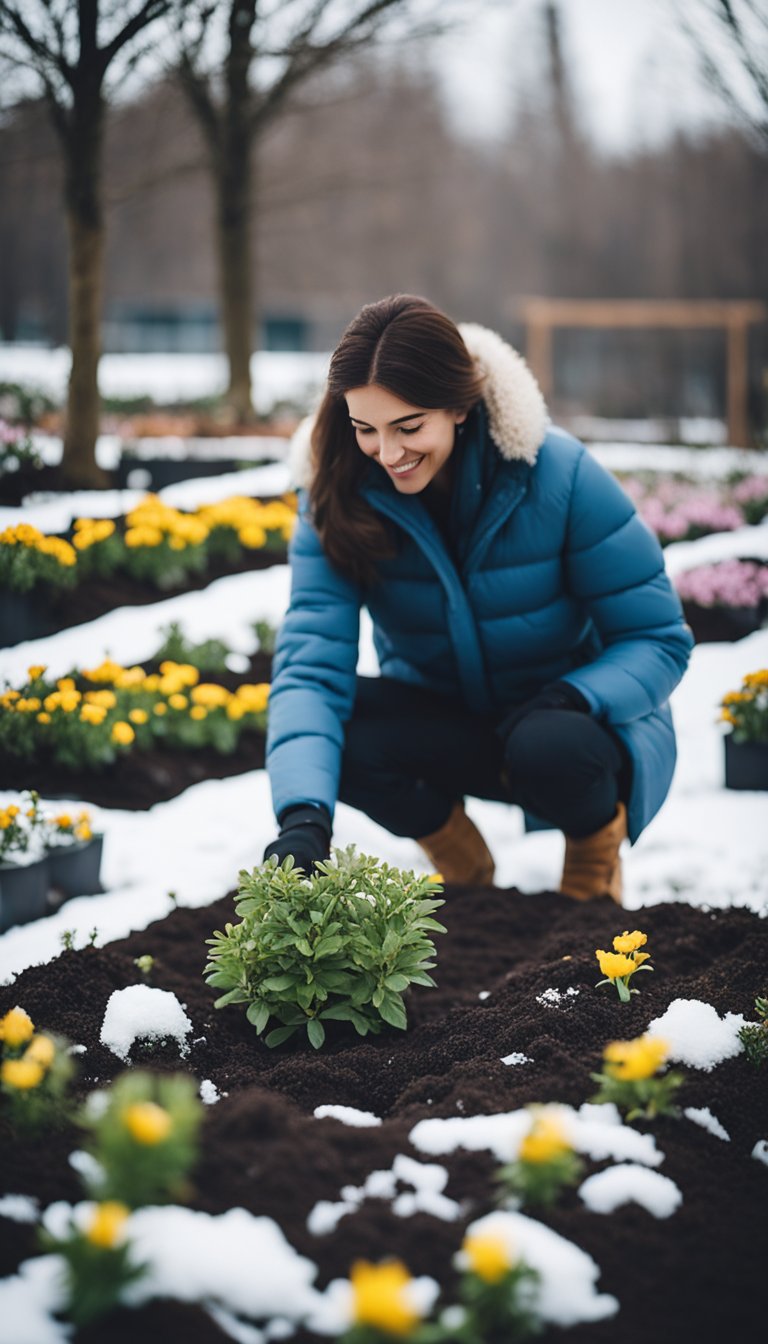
x: 210, y: 655
x: 266, y: 635
x: 545, y: 1162
x: 754, y: 1035
x: 143, y: 1135
x: 342, y: 945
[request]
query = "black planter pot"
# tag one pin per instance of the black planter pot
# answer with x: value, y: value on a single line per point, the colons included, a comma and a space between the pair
x: 75, y: 870
x: 23, y: 893
x: 746, y: 764
x: 721, y: 625
x: 170, y: 470
x: 23, y: 616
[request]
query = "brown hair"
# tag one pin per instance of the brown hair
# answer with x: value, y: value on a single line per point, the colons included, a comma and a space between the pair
x: 411, y: 349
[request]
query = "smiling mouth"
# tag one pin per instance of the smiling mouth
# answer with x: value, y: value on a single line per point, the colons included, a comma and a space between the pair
x: 405, y: 467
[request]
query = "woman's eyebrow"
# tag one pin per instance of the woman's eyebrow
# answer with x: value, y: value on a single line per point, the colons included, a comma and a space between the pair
x: 412, y: 416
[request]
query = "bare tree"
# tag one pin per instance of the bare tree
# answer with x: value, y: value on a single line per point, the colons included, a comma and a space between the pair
x: 737, y: 34
x: 67, y: 47
x: 271, y: 51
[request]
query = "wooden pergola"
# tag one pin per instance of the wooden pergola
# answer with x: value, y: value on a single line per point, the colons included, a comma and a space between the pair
x: 542, y: 316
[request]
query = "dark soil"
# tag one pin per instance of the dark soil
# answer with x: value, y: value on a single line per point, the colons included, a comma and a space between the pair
x: 143, y: 778
x: 95, y: 596
x: 699, y: 1275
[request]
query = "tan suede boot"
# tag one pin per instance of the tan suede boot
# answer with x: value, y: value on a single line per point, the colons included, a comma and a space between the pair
x: 459, y: 851
x: 592, y: 867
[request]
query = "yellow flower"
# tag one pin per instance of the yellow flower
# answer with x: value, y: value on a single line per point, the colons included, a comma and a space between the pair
x: 545, y: 1140
x: 122, y: 733
x: 39, y: 670
x: 41, y: 1050
x: 16, y: 1027
x: 132, y: 676
x: 23, y: 1074
x: 252, y: 536
x: 629, y: 942
x: 12, y: 810
x: 487, y: 1255
x: 197, y: 712
x: 614, y: 966
x: 160, y: 708
x: 94, y: 714
x: 65, y: 684
x: 105, y: 699
x: 147, y: 1122
x: 138, y: 715
x: 178, y: 701
x: 210, y: 695
x: 83, y: 831
x: 236, y: 709
x: 63, y: 821
x: 106, y: 671
x: 143, y: 536
x: 380, y: 1298
x: 630, y: 1061
x: 106, y: 1226
x: 43, y: 718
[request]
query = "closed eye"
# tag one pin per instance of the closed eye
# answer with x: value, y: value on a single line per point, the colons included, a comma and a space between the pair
x: 364, y: 429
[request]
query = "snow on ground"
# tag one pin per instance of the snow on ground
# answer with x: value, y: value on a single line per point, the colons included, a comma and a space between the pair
x: 607, y: 1190
x: 701, y: 1115
x: 566, y: 1292
x: 143, y: 1013
x: 276, y: 375
x: 696, y: 1035
x: 596, y: 1131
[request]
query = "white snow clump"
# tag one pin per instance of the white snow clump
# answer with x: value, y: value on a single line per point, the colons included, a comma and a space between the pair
x: 139, y: 1012
x: 696, y: 1035
x: 607, y: 1190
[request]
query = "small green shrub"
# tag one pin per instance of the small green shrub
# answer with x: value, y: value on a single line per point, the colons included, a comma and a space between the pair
x: 754, y: 1035
x: 209, y: 655
x: 342, y: 945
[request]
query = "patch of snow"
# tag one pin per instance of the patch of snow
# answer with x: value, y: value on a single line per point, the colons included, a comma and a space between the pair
x: 348, y: 1115
x: 760, y: 1151
x: 484, y: 994
x: 597, y: 1136
x: 696, y: 1035
x: 566, y: 1293
x: 607, y: 1190
x: 141, y: 1013
x: 704, y: 1117
x: 517, y: 1057
x: 553, y: 996
x: 241, y: 1331
x: 86, y: 1165
x: 29, y: 1300
x: 427, y: 1179
x: 209, y: 1093
x: 77, y: 1050
x: 19, y: 1208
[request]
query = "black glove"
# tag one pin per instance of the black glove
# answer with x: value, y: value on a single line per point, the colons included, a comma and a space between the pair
x: 557, y: 695
x: 305, y: 832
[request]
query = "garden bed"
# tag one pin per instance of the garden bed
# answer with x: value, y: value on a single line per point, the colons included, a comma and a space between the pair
x: 698, y: 1274
x: 146, y: 777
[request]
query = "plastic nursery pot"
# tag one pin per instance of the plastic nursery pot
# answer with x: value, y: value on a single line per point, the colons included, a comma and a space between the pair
x: 23, y: 892
x: 75, y: 870
x: 164, y: 471
x: 22, y: 616
x: 712, y: 625
x: 746, y: 764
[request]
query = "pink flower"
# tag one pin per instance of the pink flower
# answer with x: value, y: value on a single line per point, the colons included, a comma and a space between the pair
x: 731, y: 583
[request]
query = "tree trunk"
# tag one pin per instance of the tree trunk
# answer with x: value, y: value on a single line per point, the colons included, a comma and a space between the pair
x: 233, y: 191
x: 85, y: 227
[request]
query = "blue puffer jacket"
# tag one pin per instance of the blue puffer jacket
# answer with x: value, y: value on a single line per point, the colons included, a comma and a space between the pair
x: 553, y: 576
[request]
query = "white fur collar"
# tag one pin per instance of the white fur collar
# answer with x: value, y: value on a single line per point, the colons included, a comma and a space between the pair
x: 517, y: 414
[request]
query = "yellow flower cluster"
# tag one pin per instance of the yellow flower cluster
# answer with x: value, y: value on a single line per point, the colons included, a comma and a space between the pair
x: 625, y: 959
x: 381, y: 1299
x: 90, y: 531
x: 630, y: 1061
x: 747, y: 708
x: 250, y: 519
x: 28, y: 1071
x: 8, y: 815
x: 153, y: 522
x: 23, y: 534
x: 79, y: 826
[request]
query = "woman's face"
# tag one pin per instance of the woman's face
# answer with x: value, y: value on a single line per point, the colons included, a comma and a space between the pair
x: 410, y: 443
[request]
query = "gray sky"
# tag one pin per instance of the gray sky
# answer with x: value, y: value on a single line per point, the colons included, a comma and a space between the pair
x: 633, y: 68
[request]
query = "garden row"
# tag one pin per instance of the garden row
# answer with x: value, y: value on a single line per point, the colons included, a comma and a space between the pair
x: 49, y: 582
x: 480, y: 1199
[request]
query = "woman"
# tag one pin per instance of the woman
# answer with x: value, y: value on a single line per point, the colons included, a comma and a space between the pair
x: 527, y: 634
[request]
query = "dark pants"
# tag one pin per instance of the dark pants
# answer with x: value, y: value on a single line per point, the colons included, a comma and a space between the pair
x: 410, y: 755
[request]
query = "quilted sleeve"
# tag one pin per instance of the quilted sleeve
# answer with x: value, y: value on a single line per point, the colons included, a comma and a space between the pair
x: 615, y: 566
x: 313, y: 678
